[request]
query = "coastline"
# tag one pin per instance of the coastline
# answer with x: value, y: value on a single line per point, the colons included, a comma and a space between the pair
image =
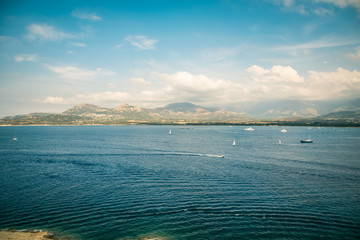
x: 13, y: 234
x: 26, y: 234
x: 210, y: 123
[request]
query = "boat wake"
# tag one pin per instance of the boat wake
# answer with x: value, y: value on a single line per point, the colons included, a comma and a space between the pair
x: 188, y: 154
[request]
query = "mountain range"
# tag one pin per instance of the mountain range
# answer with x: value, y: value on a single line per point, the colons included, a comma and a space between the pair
x: 289, y: 112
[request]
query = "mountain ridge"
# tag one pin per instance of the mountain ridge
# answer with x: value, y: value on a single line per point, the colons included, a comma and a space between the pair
x: 186, y: 112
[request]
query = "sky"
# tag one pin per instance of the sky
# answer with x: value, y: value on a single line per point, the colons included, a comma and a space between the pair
x: 149, y: 53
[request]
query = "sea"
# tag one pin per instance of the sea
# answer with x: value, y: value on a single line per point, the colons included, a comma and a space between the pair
x: 140, y: 182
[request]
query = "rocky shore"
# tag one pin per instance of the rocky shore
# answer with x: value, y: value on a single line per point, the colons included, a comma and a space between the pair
x: 14, y: 234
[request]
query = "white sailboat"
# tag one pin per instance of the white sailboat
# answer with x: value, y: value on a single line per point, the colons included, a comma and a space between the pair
x: 14, y: 138
x: 170, y: 132
x: 279, y: 142
x: 309, y: 140
x: 234, y: 143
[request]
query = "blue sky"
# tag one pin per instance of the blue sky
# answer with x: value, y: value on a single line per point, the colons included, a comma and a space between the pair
x: 55, y: 54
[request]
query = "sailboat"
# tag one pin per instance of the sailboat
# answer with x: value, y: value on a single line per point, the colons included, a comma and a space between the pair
x: 306, y: 140
x: 234, y: 143
x: 14, y: 138
x: 283, y: 130
x: 170, y: 132
x: 279, y: 142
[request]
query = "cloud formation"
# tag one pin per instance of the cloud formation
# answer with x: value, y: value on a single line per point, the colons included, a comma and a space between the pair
x: 85, y: 16
x: 95, y: 98
x: 343, y: 3
x: 74, y: 73
x: 141, y: 42
x: 341, y: 84
x: 107, y: 96
x: 356, y: 55
x: 298, y: 6
x: 44, y: 32
x: 283, y: 82
x: 55, y: 100
x: 275, y: 74
x: 25, y: 57
x: 291, y: 6
x: 276, y: 83
x: 76, y: 44
x: 186, y: 86
x: 326, y: 42
x: 139, y: 81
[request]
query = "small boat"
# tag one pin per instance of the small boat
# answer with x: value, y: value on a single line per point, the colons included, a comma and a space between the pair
x: 283, y: 130
x: 249, y: 129
x: 234, y: 143
x: 222, y: 156
x: 306, y: 140
x: 170, y: 132
x: 14, y: 138
x: 279, y: 142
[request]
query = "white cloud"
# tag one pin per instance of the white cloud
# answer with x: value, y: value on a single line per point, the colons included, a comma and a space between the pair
x: 343, y: 3
x: 334, y: 85
x: 321, y: 43
x: 283, y: 82
x: 275, y: 83
x: 184, y: 86
x: 275, y: 74
x: 78, y: 44
x: 193, y: 83
x: 296, y: 6
x: 141, y: 42
x: 288, y: 3
x: 25, y: 57
x: 95, y: 98
x: 140, y: 81
x: 46, y: 32
x: 85, y: 16
x: 107, y: 96
x: 356, y: 55
x: 322, y: 11
x: 291, y: 6
x: 75, y: 73
x: 55, y: 100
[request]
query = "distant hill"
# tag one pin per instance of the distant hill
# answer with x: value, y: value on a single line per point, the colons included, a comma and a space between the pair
x: 124, y: 114
x: 282, y: 109
x: 183, y: 107
x: 189, y: 111
x: 344, y: 115
x: 86, y: 108
x: 272, y: 112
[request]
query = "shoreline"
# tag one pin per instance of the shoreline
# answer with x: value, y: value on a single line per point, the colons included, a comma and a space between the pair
x: 270, y: 124
x: 34, y: 234
x: 25, y: 234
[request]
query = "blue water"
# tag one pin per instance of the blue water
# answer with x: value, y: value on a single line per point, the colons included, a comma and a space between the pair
x: 132, y: 182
